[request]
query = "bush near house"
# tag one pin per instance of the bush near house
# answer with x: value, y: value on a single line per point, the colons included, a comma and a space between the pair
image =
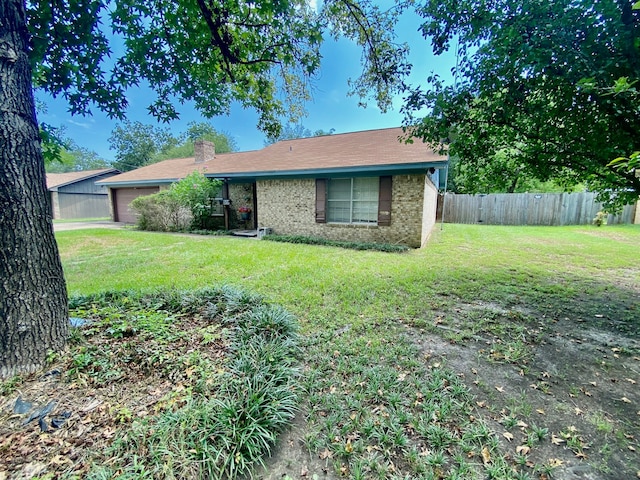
x: 185, y: 206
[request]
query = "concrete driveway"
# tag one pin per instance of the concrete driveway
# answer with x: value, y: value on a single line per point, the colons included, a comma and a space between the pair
x: 62, y: 226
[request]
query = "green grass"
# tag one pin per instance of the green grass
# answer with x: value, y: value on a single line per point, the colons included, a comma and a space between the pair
x: 467, y: 264
x: 376, y: 409
x: 229, y: 411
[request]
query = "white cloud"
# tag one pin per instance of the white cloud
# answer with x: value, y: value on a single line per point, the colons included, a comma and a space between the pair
x: 81, y: 124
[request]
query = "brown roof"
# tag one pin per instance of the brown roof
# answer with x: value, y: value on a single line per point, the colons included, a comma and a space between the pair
x: 368, y: 150
x: 55, y: 180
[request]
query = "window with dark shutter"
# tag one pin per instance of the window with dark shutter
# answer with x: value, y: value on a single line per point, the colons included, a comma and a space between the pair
x: 384, y: 202
x: 321, y: 200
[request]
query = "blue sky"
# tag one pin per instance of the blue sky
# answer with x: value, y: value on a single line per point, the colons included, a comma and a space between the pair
x: 331, y: 107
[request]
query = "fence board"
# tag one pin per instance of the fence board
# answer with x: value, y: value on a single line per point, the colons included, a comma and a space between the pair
x: 528, y: 209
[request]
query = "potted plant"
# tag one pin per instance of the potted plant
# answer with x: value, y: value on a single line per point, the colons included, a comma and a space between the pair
x: 244, y: 212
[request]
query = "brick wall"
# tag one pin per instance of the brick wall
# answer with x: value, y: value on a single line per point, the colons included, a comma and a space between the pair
x: 288, y: 207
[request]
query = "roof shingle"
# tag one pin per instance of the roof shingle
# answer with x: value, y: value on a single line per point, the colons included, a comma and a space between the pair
x: 372, y: 148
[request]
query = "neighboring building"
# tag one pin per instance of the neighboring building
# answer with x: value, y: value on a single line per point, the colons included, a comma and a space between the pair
x: 362, y: 186
x: 76, y: 195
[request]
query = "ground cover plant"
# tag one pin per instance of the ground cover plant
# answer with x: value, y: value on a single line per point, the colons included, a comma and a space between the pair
x: 168, y: 384
x: 495, y: 352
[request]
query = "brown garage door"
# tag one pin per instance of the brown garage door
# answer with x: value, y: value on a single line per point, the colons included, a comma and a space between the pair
x: 123, y: 197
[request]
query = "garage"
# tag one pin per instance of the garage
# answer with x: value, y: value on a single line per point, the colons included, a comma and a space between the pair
x: 122, y: 198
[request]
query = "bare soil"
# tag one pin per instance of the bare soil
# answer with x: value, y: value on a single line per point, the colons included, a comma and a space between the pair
x: 580, y: 384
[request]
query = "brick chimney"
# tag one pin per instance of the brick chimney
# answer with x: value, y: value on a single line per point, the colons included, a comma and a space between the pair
x: 204, y: 150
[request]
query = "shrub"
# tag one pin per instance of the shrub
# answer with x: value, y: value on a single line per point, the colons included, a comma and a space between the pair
x: 185, y: 206
x: 162, y: 212
x: 196, y: 192
x: 600, y: 219
x: 380, y: 247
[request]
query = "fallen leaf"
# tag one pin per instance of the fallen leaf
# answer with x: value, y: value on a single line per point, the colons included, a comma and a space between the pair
x: 521, y: 424
x: 481, y: 404
x: 556, y: 440
x: 555, y: 462
x: 578, y: 411
x: 593, y: 383
x: 474, y: 371
x: 631, y: 447
x: 348, y: 447
x: 326, y: 454
x: 631, y: 381
x: 523, y: 449
x: 540, y: 411
x: 304, y: 472
x: 581, y: 455
x: 500, y: 389
x: 625, y: 400
x: 508, y: 435
x: 486, y: 456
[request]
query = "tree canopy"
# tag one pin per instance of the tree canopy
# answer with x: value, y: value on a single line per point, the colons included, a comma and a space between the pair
x: 209, y: 52
x: 137, y: 144
x: 292, y: 131
x: 74, y: 158
x: 545, y: 87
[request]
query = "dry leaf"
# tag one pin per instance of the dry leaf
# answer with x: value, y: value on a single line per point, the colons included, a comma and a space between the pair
x: 500, y: 389
x: 631, y: 381
x: 523, y: 449
x: 326, y: 454
x: 481, y: 404
x: 556, y: 440
x: 631, y: 447
x: 540, y: 411
x: 474, y: 371
x: 348, y: 447
x: 304, y: 472
x: 555, y: 462
x: 522, y: 424
x: 578, y: 411
x: 508, y: 436
x: 486, y: 456
x: 581, y: 455
x: 625, y: 400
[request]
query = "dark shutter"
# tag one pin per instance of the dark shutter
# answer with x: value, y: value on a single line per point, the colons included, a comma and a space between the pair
x: 384, y: 202
x: 321, y: 200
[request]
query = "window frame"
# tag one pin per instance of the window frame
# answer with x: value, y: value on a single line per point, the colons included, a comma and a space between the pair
x: 354, y: 201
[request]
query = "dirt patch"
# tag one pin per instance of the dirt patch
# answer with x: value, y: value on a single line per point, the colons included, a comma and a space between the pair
x: 291, y: 459
x: 574, y: 404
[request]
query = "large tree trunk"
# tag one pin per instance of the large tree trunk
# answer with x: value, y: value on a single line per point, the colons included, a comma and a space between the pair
x: 33, y: 297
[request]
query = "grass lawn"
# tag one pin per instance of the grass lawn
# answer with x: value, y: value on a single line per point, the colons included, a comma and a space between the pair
x: 494, y: 352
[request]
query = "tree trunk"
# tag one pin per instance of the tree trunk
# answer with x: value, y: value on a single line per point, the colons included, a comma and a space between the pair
x: 33, y: 298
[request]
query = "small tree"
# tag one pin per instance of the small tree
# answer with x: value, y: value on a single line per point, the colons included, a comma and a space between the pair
x: 186, y: 205
x: 197, y: 192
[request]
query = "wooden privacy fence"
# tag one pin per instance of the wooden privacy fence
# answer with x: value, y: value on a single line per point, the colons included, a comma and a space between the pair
x: 527, y: 209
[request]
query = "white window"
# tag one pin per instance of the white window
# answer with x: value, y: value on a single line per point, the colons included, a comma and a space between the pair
x: 353, y: 200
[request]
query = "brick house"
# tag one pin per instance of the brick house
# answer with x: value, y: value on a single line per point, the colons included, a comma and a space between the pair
x: 362, y: 186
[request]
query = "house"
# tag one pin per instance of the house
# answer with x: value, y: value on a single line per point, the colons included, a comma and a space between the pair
x: 363, y: 186
x: 76, y: 195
